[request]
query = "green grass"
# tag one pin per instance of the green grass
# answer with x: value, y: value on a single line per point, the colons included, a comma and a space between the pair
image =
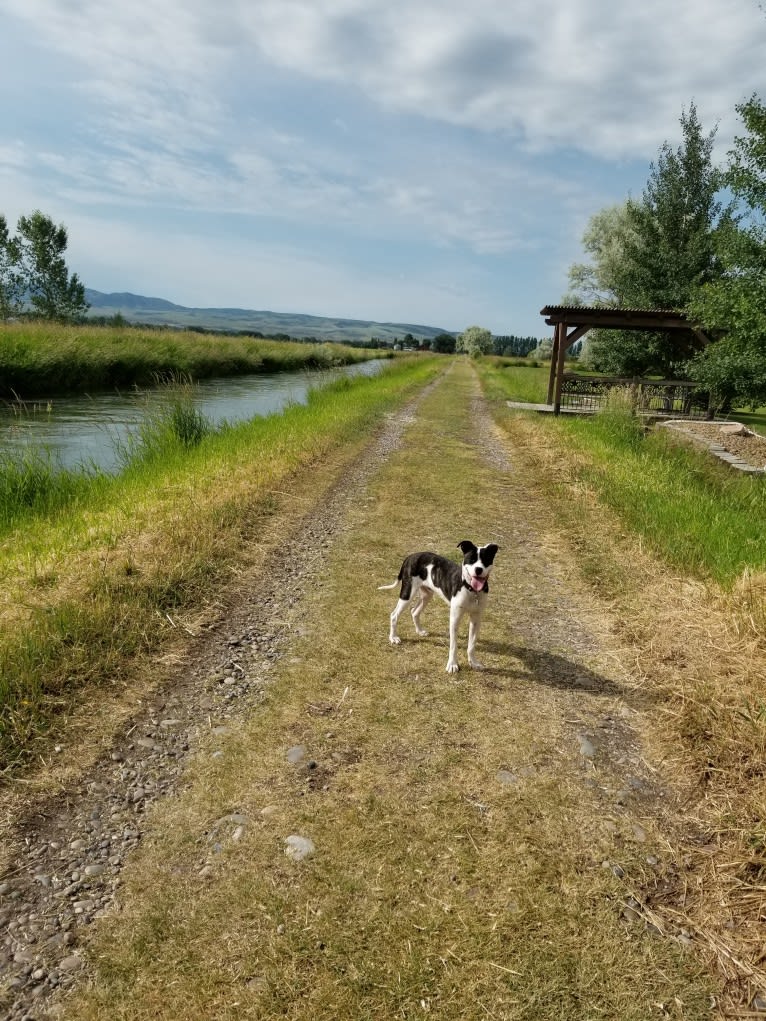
x: 700, y: 516
x: 31, y: 483
x: 90, y: 567
x: 38, y: 358
x: 177, y: 424
x: 512, y: 381
x: 526, y: 381
x: 755, y: 420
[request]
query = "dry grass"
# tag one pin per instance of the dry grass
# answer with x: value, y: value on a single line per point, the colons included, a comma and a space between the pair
x: 698, y: 653
x: 436, y: 887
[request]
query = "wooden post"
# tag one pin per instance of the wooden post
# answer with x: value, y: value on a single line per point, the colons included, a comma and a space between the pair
x: 561, y: 353
x: 554, y: 360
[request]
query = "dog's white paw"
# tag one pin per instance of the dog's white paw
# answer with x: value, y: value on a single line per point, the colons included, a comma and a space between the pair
x: 452, y: 668
x: 476, y: 665
x: 421, y: 633
x: 396, y: 640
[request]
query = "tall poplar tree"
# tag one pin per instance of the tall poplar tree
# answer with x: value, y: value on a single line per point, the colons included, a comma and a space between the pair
x: 671, y: 245
x: 658, y: 251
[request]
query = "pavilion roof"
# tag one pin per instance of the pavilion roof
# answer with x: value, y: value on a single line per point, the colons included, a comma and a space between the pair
x: 624, y: 318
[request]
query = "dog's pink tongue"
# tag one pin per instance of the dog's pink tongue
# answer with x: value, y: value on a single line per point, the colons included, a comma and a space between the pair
x: 477, y: 584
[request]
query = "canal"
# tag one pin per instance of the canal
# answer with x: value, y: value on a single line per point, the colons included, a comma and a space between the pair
x: 92, y: 429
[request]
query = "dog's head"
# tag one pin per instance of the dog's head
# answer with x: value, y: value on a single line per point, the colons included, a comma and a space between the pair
x: 477, y: 563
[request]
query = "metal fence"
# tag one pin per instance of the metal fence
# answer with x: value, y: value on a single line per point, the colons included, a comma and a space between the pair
x: 657, y: 397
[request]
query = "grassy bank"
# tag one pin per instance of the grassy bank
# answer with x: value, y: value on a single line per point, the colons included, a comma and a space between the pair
x: 703, y: 518
x: 526, y: 382
x: 93, y: 574
x: 42, y: 359
x: 676, y: 541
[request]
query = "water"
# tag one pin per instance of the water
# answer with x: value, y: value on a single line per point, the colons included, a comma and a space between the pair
x: 89, y: 430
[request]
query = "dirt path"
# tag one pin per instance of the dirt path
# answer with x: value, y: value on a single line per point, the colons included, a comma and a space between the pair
x: 530, y: 815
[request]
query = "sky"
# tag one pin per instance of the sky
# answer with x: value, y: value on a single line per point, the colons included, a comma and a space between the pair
x: 431, y: 162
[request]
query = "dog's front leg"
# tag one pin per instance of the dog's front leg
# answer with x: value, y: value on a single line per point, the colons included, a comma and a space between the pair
x: 455, y: 616
x: 473, y: 636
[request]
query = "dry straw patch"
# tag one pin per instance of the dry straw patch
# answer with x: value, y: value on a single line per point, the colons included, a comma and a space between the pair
x: 460, y: 833
x: 698, y: 653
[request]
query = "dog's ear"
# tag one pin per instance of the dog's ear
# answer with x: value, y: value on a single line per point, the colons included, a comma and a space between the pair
x: 488, y: 552
x: 466, y: 546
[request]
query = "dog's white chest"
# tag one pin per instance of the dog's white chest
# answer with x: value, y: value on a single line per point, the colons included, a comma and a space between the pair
x: 470, y: 601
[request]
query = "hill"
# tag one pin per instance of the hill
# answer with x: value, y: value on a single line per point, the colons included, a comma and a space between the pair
x: 137, y: 308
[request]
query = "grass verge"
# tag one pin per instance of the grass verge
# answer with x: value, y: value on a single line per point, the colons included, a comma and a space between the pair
x: 41, y: 358
x: 676, y: 541
x: 698, y: 515
x: 93, y: 580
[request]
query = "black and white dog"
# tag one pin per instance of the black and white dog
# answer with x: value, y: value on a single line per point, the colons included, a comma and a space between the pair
x: 463, y: 587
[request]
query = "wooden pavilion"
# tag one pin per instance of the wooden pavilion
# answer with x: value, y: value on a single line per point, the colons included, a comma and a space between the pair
x: 572, y: 322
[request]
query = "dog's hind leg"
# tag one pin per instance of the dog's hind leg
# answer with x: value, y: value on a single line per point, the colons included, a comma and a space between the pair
x: 405, y: 595
x: 396, y: 613
x: 425, y: 598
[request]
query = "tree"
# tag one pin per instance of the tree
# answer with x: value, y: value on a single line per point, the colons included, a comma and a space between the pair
x: 444, y: 343
x: 603, y: 280
x: 734, y: 367
x: 544, y: 349
x: 474, y: 341
x: 509, y: 344
x: 50, y: 290
x: 11, y: 280
x: 672, y: 242
x: 657, y: 252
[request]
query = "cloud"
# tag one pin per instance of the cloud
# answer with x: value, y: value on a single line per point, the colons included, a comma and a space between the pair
x: 586, y: 75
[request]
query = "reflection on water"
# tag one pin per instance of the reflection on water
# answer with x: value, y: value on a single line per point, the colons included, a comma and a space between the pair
x: 90, y: 429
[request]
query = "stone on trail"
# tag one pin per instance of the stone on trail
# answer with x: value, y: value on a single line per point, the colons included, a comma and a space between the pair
x: 735, y: 429
x: 70, y: 963
x: 639, y: 833
x: 586, y: 746
x: 505, y: 776
x: 299, y: 847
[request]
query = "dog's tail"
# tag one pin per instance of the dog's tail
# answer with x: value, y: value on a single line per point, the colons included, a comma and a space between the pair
x: 392, y: 585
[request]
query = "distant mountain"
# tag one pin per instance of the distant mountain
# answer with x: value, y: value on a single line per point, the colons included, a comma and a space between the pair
x: 157, y: 311
x: 126, y: 300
